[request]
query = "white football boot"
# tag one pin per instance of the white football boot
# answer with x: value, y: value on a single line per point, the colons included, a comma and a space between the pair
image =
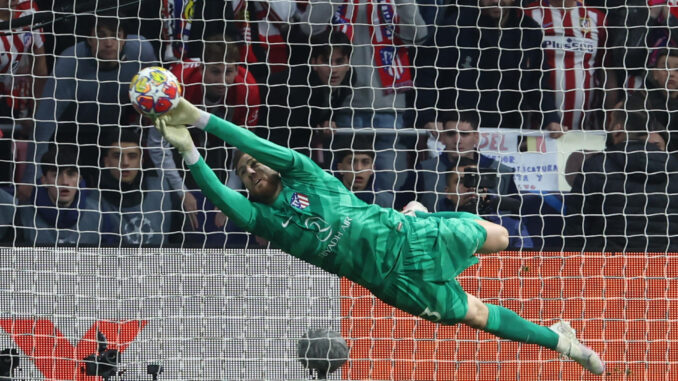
x: 569, y: 346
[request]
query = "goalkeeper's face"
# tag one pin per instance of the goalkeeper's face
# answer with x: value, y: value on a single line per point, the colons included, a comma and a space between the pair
x: 261, y: 181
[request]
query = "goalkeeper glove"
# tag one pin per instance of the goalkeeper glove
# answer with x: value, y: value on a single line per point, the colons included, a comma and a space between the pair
x: 176, y: 134
x: 185, y: 114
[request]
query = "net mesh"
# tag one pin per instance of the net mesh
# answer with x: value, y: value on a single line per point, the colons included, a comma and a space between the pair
x: 554, y: 119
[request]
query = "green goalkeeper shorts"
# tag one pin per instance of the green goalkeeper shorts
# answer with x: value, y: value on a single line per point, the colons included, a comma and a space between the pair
x: 423, y: 282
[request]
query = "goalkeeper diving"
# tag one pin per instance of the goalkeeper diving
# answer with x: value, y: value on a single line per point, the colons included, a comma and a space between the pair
x: 407, y: 259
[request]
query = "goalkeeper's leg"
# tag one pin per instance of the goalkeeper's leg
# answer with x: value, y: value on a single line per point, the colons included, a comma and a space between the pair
x: 506, y: 324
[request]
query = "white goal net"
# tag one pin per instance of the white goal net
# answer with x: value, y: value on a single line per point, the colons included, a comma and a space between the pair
x: 551, y: 118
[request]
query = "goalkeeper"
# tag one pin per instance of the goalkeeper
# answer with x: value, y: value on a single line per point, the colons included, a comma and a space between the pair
x: 407, y: 261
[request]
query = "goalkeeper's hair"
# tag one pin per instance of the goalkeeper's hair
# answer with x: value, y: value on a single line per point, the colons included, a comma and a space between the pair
x: 324, y: 43
x: 237, y: 155
x: 220, y: 48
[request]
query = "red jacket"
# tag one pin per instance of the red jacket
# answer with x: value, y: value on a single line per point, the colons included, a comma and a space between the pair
x: 243, y: 94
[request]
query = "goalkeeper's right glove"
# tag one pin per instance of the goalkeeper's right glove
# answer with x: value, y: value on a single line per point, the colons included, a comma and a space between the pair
x: 186, y: 114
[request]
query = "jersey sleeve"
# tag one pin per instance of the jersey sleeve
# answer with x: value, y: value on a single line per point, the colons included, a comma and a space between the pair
x: 236, y: 206
x: 284, y: 160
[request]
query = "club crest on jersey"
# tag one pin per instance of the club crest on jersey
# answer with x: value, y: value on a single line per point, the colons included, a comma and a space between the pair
x: 299, y: 200
x: 586, y: 25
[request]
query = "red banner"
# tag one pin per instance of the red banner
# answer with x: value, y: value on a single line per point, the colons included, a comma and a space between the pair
x: 55, y: 356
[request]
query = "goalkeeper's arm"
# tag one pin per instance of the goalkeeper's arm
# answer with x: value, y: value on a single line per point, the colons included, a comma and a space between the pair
x: 279, y: 158
x: 232, y: 203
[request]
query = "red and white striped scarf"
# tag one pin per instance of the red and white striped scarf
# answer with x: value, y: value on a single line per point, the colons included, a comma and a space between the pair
x: 390, y: 57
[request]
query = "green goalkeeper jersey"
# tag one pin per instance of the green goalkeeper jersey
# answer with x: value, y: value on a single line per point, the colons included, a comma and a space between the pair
x: 315, y: 218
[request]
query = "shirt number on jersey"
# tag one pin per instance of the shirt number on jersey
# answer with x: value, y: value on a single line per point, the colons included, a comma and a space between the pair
x: 430, y: 315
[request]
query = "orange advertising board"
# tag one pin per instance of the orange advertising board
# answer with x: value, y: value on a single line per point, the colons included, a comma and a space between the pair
x: 625, y: 306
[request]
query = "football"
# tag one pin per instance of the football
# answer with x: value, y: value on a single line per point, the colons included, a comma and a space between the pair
x: 154, y: 91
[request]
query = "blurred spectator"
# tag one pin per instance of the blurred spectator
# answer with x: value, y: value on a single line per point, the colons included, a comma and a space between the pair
x: 276, y: 32
x: 626, y: 198
x: 662, y: 22
x: 7, y: 209
x: 575, y: 46
x: 138, y: 201
x: 23, y: 66
x: 23, y: 69
x: 88, y: 93
x: 487, y: 58
x: 661, y: 91
x: 303, y: 98
x: 220, y: 86
x: 355, y: 169
x: 380, y: 62
x: 462, y: 194
x: 179, y: 19
x: 63, y: 213
x: 459, y: 136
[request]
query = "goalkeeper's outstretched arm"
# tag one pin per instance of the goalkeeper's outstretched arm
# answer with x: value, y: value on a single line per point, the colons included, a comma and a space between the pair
x: 278, y: 158
x: 232, y: 203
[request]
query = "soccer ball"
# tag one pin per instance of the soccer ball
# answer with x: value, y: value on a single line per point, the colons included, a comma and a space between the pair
x: 154, y: 91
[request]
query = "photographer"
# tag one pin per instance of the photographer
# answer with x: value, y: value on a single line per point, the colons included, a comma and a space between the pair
x: 458, y: 138
x: 466, y: 190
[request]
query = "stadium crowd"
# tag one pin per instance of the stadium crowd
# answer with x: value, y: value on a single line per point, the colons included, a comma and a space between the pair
x: 387, y: 94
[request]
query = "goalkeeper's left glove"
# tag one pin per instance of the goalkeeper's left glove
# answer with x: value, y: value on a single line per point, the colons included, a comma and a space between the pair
x: 177, y: 135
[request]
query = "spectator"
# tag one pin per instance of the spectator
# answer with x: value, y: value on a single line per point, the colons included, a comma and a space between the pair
x: 355, y: 165
x: 459, y: 136
x: 462, y: 195
x: 661, y: 91
x: 63, y: 213
x: 219, y: 84
x: 88, y: 92
x: 136, y: 200
x: 7, y: 210
x: 626, y: 198
x: 276, y: 32
x: 23, y: 69
x: 380, y: 62
x: 304, y: 97
x: 489, y: 59
x: 575, y: 46
x: 222, y: 87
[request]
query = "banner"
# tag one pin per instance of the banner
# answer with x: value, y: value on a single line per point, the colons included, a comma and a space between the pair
x: 539, y: 161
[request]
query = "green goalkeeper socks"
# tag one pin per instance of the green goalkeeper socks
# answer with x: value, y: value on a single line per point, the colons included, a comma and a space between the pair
x: 506, y: 324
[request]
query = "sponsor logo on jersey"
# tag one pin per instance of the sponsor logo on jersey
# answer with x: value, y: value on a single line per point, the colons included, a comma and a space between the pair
x: 574, y: 44
x: 299, y: 201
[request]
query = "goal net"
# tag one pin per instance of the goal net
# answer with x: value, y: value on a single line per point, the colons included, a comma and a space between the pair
x: 554, y: 119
